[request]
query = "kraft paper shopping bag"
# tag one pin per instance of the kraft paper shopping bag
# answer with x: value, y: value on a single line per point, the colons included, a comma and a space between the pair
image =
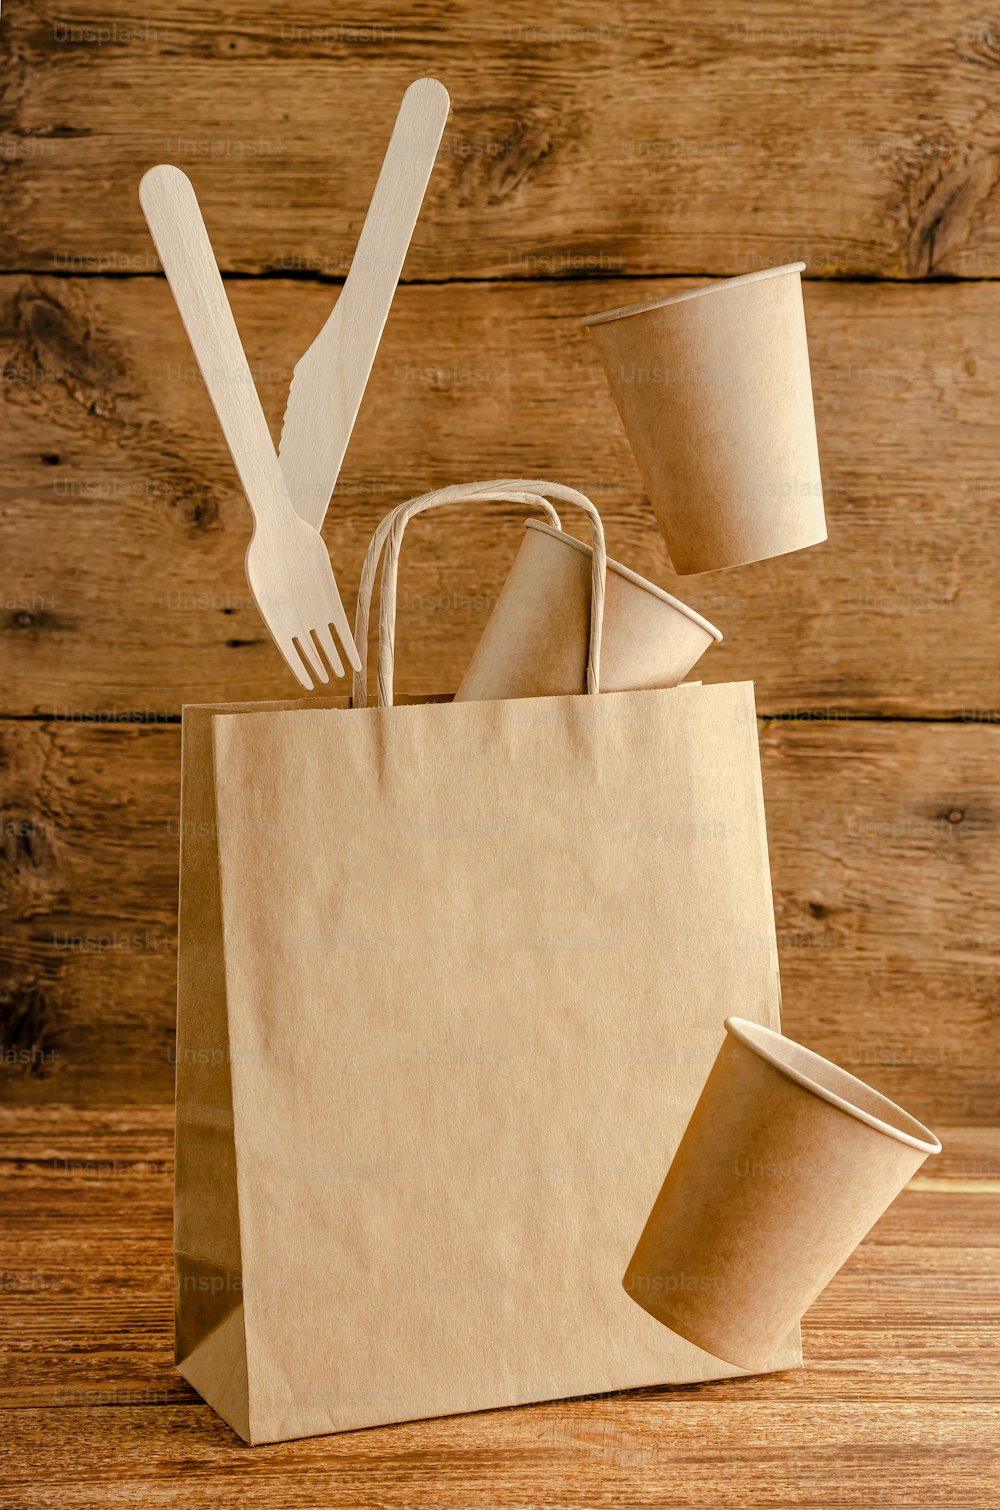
x: 451, y: 979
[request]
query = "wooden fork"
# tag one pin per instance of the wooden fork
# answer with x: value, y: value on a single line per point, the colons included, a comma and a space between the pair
x: 287, y: 565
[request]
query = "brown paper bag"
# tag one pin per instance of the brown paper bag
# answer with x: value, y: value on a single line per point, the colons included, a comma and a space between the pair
x: 451, y: 979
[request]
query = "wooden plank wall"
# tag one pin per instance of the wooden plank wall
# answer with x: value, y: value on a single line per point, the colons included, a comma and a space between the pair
x: 595, y: 155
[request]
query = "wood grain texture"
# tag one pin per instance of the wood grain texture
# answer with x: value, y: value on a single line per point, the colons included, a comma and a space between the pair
x: 896, y: 1406
x: 589, y: 148
x: 883, y: 844
x: 597, y: 139
x: 614, y: 1452
x: 116, y: 469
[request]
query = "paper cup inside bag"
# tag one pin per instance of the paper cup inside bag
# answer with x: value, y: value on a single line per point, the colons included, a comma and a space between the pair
x: 535, y: 641
x: 714, y: 392
x: 787, y: 1162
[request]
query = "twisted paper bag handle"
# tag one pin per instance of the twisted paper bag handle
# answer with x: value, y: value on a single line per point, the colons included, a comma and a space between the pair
x: 530, y: 492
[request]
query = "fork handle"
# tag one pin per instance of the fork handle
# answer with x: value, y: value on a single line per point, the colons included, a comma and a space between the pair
x: 175, y: 222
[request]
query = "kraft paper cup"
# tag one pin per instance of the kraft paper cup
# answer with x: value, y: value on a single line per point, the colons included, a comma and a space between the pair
x: 714, y: 392
x: 535, y: 641
x: 785, y: 1165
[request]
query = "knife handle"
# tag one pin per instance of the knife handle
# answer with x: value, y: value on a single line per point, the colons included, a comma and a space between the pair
x: 399, y: 192
x: 175, y: 222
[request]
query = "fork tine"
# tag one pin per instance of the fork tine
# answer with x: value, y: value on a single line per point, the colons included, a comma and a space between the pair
x: 307, y: 649
x: 328, y: 645
x: 293, y: 661
x: 338, y: 618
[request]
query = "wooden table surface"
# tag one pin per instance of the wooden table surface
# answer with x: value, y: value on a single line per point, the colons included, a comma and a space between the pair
x: 595, y: 155
x: 897, y: 1404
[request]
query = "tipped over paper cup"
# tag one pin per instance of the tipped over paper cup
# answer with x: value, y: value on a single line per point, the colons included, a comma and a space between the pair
x: 535, y: 641
x: 714, y: 392
x: 787, y: 1162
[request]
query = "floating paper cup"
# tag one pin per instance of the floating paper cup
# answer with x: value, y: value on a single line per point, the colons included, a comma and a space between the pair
x: 714, y: 393
x: 535, y: 641
x: 786, y: 1163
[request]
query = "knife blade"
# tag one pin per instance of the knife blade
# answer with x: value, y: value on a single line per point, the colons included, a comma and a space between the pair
x: 329, y: 379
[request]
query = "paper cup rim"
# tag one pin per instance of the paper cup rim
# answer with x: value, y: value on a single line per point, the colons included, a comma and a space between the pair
x: 630, y: 576
x: 767, y: 1045
x: 691, y: 293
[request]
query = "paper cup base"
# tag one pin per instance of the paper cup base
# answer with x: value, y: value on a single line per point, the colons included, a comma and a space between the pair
x: 749, y: 554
